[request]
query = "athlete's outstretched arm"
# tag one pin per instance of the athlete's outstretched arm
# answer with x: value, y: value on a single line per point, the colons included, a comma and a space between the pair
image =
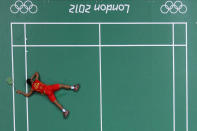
x: 25, y: 94
x: 36, y: 74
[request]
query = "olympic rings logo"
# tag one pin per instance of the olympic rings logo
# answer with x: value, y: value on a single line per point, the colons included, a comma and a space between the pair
x: 23, y: 7
x: 173, y: 8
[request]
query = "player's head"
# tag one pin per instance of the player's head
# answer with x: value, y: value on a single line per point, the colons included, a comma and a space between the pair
x: 29, y: 82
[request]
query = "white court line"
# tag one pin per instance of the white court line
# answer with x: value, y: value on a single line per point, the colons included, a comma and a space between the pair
x: 134, y: 45
x: 13, y: 90
x: 187, y: 99
x: 173, y: 63
x: 90, y: 23
x: 27, y: 109
x: 100, y: 64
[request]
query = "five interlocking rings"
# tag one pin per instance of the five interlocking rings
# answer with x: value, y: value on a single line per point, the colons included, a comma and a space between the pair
x: 23, y: 7
x: 173, y: 8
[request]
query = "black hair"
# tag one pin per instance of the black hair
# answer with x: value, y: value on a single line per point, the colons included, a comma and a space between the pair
x: 29, y: 82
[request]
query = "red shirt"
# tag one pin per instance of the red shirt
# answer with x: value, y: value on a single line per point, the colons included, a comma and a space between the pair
x: 38, y: 86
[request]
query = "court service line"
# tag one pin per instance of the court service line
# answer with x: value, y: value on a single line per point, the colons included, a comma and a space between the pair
x: 134, y: 45
x: 173, y: 63
x: 100, y: 70
x: 13, y: 90
x: 93, y: 23
x: 187, y: 93
x: 27, y: 107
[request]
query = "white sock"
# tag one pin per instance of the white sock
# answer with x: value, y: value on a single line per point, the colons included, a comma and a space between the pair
x: 63, y: 110
x: 72, y: 87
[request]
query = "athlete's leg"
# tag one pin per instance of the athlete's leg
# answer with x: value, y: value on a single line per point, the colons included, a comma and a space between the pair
x: 52, y: 98
x: 65, y: 112
x: 74, y: 87
x: 65, y: 86
x: 58, y: 105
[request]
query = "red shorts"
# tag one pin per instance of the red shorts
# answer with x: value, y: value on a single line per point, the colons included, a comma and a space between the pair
x: 49, y: 91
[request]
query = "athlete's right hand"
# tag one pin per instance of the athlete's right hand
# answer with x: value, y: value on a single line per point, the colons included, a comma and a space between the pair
x: 19, y: 92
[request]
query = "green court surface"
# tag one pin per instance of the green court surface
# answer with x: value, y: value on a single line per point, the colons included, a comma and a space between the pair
x: 136, y: 69
x: 123, y: 85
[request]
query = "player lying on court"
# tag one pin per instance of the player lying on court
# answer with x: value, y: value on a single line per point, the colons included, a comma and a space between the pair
x: 48, y: 90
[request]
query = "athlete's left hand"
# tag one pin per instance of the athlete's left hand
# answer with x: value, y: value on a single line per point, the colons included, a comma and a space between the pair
x: 19, y: 92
